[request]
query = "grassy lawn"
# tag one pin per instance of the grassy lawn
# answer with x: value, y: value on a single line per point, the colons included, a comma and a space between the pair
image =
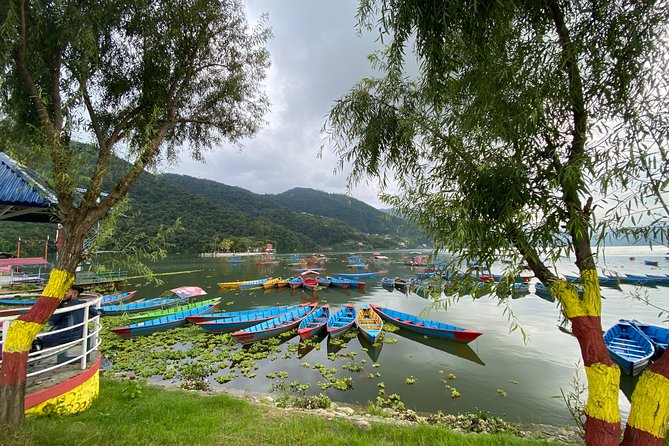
x: 129, y: 413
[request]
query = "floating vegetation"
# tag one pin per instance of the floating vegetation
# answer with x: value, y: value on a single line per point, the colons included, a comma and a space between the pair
x: 345, y: 383
x: 390, y: 328
x: 305, y: 365
x: 501, y: 392
x: 225, y: 378
x: 513, y: 381
x: 410, y: 380
x: 451, y: 376
x: 352, y: 367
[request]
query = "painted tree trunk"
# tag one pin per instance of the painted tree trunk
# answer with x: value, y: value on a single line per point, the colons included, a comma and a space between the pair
x: 649, y: 415
x: 602, y: 425
x: 19, y: 339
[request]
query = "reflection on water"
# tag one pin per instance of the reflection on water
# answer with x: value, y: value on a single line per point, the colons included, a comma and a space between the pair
x: 373, y: 350
x: 453, y: 348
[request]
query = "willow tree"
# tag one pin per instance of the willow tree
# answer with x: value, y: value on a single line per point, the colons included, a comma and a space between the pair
x: 502, y: 141
x: 142, y: 80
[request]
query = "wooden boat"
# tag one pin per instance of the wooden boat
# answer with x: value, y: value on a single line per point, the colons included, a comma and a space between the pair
x: 117, y: 298
x: 659, y: 336
x: 324, y: 282
x: 630, y: 279
x: 339, y: 283
x: 236, y: 320
x: 369, y: 324
x: 275, y: 326
x: 138, y: 307
x: 14, y: 311
x: 295, y: 282
x: 387, y: 281
x: 283, y: 283
x: 303, y: 270
x: 271, y: 283
x: 426, y: 327
x: 310, y: 283
x: 628, y: 347
x: 342, y: 321
x: 230, y: 285
x: 660, y: 280
x: 184, y: 292
x: 173, y: 320
x: 356, y: 275
x: 18, y: 302
x: 314, y: 323
x: 401, y: 283
x: 141, y: 317
x: 253, y: 283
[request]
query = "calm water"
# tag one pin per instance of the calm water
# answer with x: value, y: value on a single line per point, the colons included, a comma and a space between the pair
x: 530, y: 373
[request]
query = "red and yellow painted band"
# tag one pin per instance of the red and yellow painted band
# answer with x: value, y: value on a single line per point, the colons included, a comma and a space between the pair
x: 603, y: 382
x: 21, y: 333
x: 69, y: 397
x: 574, y: 306
x: 650, y: 410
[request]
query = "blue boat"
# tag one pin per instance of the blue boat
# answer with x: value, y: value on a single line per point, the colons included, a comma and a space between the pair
x: 236, y: 320
x: 163, y: 323
x: 339, y: 283
x: 628, y: 347
x: 660, y: 280
x: 138, y: 307
x: 426, y: 327
x: 274, y: 327
x: 324, y: 282
x: 370, y: 324
x: 388, y: 282
x: 630, y: 279
x: 659, y: 336
x: 342, y: 321
x: 253, y: 283
x: 295, y: 282
x: 314, y: 323
x: 18, y: 302
x: 117, y: 298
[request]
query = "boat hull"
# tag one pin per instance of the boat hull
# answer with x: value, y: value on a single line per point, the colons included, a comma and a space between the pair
x: 341, y: 322
x: 426, y: 327
x: 315, y: 323
x: 273, y: 327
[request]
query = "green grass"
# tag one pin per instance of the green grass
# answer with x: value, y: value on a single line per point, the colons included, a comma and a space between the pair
x: 133, y: 414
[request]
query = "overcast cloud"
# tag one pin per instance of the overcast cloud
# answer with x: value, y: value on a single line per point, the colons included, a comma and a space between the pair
x: 316, y: 58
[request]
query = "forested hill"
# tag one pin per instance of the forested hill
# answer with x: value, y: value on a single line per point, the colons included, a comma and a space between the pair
x: 353, y: 212
x: 332, y: 212
x: 212, y: 212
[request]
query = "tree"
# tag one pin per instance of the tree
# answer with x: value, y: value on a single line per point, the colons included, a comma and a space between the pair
x: 522, y: 117
x: 141, y: 79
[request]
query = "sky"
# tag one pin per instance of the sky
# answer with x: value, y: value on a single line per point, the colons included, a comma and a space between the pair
x: 317, y: 56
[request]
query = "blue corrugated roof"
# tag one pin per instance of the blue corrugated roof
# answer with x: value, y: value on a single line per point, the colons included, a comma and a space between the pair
x: 18, y: 187
x: 21, y: 191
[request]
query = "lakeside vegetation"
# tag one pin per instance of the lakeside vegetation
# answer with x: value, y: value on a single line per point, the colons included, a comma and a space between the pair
x: 132, y: 413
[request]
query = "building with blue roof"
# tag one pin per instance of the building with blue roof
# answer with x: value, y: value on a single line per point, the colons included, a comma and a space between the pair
x: 22, y: 196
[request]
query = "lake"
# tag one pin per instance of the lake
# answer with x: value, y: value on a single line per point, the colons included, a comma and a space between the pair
x: 499, y: 372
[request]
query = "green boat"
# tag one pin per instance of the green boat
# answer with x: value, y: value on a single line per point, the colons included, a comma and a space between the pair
x: 168, y: 311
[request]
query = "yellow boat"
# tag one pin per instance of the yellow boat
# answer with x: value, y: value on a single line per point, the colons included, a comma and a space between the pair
x: 271, y: 283
x: 230, y: 285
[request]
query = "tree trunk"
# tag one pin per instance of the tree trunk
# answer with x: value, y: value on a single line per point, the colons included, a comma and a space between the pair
x: 25, y: 328
x: 647, y: 423
x: 602, y: 425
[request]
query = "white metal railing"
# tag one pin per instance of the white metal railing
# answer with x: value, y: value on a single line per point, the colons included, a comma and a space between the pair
x: 58, y: 356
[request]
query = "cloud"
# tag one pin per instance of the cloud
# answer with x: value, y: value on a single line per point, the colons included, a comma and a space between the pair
x: 316, y: 58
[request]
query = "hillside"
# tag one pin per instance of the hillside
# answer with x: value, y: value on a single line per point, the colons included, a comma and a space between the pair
x: 211, y: 212
x: 355, y: 213
x: 335, y: 222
